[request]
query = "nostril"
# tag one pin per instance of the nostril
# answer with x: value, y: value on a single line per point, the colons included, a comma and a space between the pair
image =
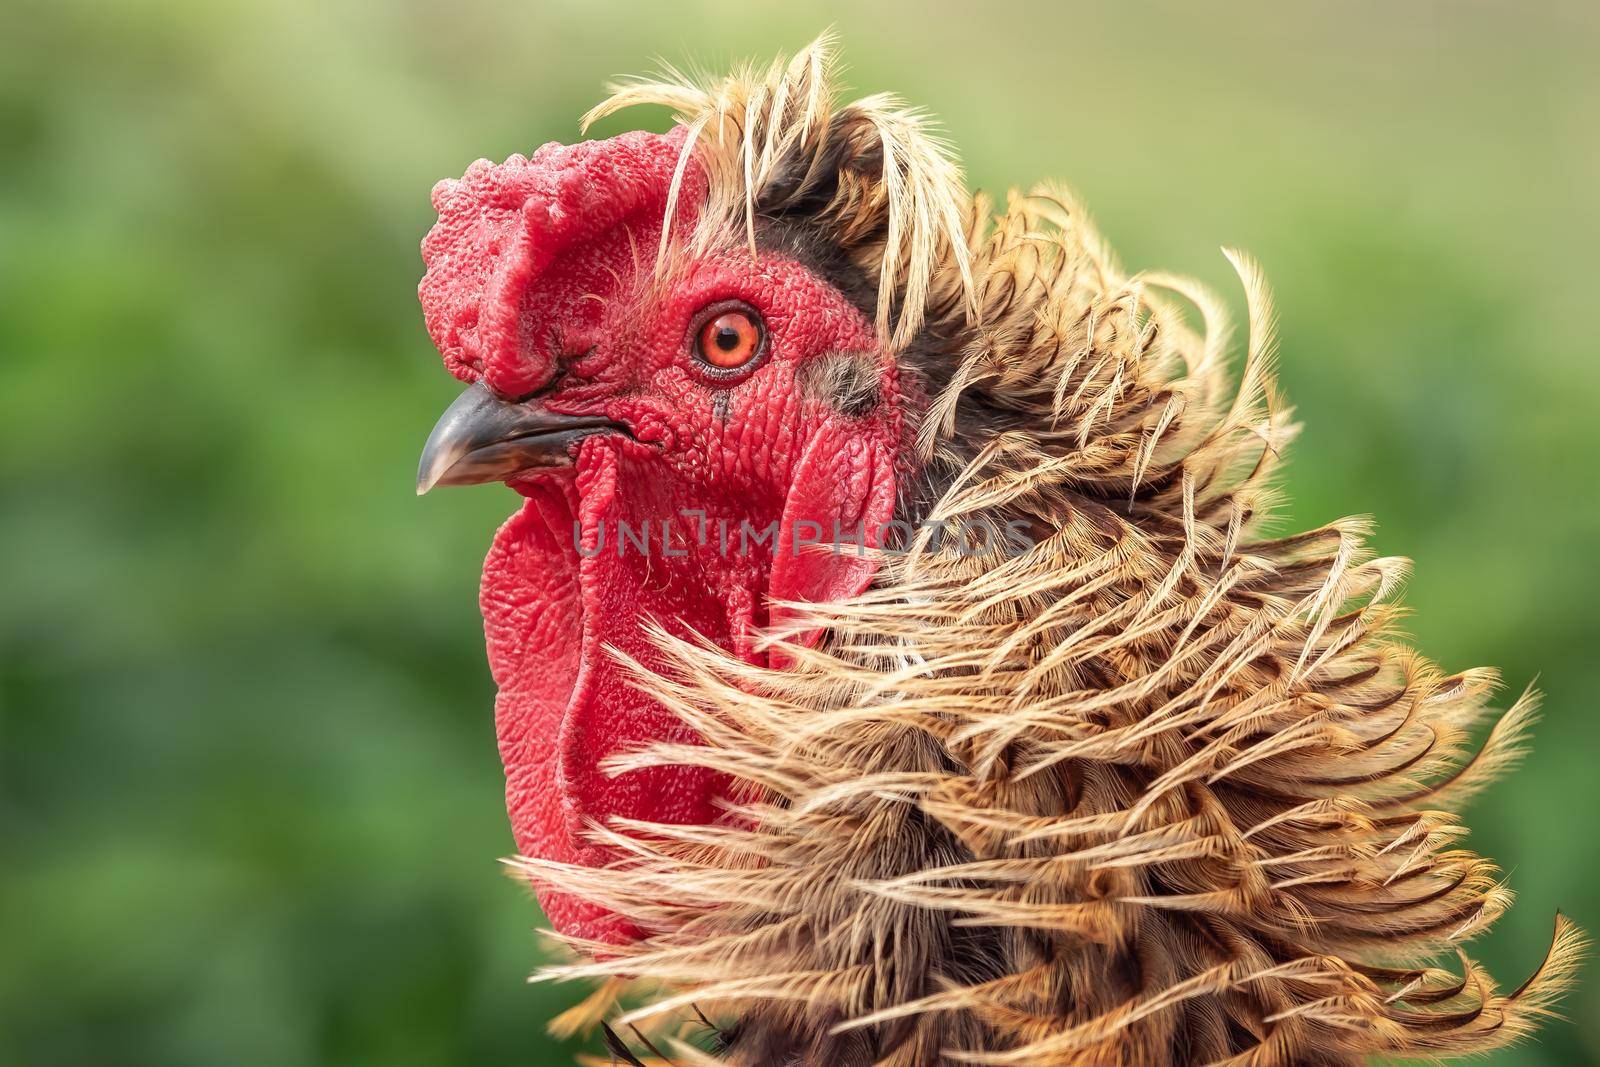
x: 563, y: 365
x: 544, y: 390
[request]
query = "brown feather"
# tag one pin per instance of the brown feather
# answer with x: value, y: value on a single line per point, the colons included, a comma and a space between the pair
x: 1163, y: 789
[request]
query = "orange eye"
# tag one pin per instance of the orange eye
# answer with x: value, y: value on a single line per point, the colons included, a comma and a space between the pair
x: 730, y: 340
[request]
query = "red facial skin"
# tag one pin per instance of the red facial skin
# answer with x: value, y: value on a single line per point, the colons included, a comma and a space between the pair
x: 542, y: 277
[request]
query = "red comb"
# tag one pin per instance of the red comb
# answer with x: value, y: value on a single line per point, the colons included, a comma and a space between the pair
x: 502, y: 225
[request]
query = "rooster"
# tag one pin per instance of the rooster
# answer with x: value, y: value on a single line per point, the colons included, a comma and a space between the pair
x: 893, y: 664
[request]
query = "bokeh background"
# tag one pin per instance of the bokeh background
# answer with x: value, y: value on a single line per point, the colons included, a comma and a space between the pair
x: 250, y: 805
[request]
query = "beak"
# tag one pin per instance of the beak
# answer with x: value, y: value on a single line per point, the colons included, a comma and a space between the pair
x: 482, y: 438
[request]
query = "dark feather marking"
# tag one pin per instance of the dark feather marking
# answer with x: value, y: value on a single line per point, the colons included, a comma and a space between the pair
x: 809, y: 246
x: 648, y: 1044
x: 620, y: 1053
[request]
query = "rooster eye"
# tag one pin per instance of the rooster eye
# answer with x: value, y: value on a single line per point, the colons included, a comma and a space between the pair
x: 730, y: 338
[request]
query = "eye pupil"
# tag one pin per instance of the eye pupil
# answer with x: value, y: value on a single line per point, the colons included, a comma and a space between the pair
x: 727, y: 338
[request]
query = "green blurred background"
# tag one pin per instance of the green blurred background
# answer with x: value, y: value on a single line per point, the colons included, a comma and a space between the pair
x: 250, y: 803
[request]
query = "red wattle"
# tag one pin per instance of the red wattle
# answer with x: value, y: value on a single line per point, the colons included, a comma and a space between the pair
x: 565, y: 705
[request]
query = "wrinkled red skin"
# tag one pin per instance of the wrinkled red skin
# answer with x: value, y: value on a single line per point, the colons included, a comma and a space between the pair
x: 541, y: 271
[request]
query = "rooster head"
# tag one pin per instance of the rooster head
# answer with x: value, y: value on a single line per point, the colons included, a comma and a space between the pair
x: 675, y: 354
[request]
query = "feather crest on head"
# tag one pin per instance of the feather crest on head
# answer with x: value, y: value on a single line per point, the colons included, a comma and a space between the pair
x: 775, y: 144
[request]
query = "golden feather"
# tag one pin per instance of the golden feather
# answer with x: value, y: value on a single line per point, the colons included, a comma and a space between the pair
x: 1162, y: 789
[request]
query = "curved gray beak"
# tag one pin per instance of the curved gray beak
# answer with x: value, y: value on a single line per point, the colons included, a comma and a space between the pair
x: 482, y: 438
